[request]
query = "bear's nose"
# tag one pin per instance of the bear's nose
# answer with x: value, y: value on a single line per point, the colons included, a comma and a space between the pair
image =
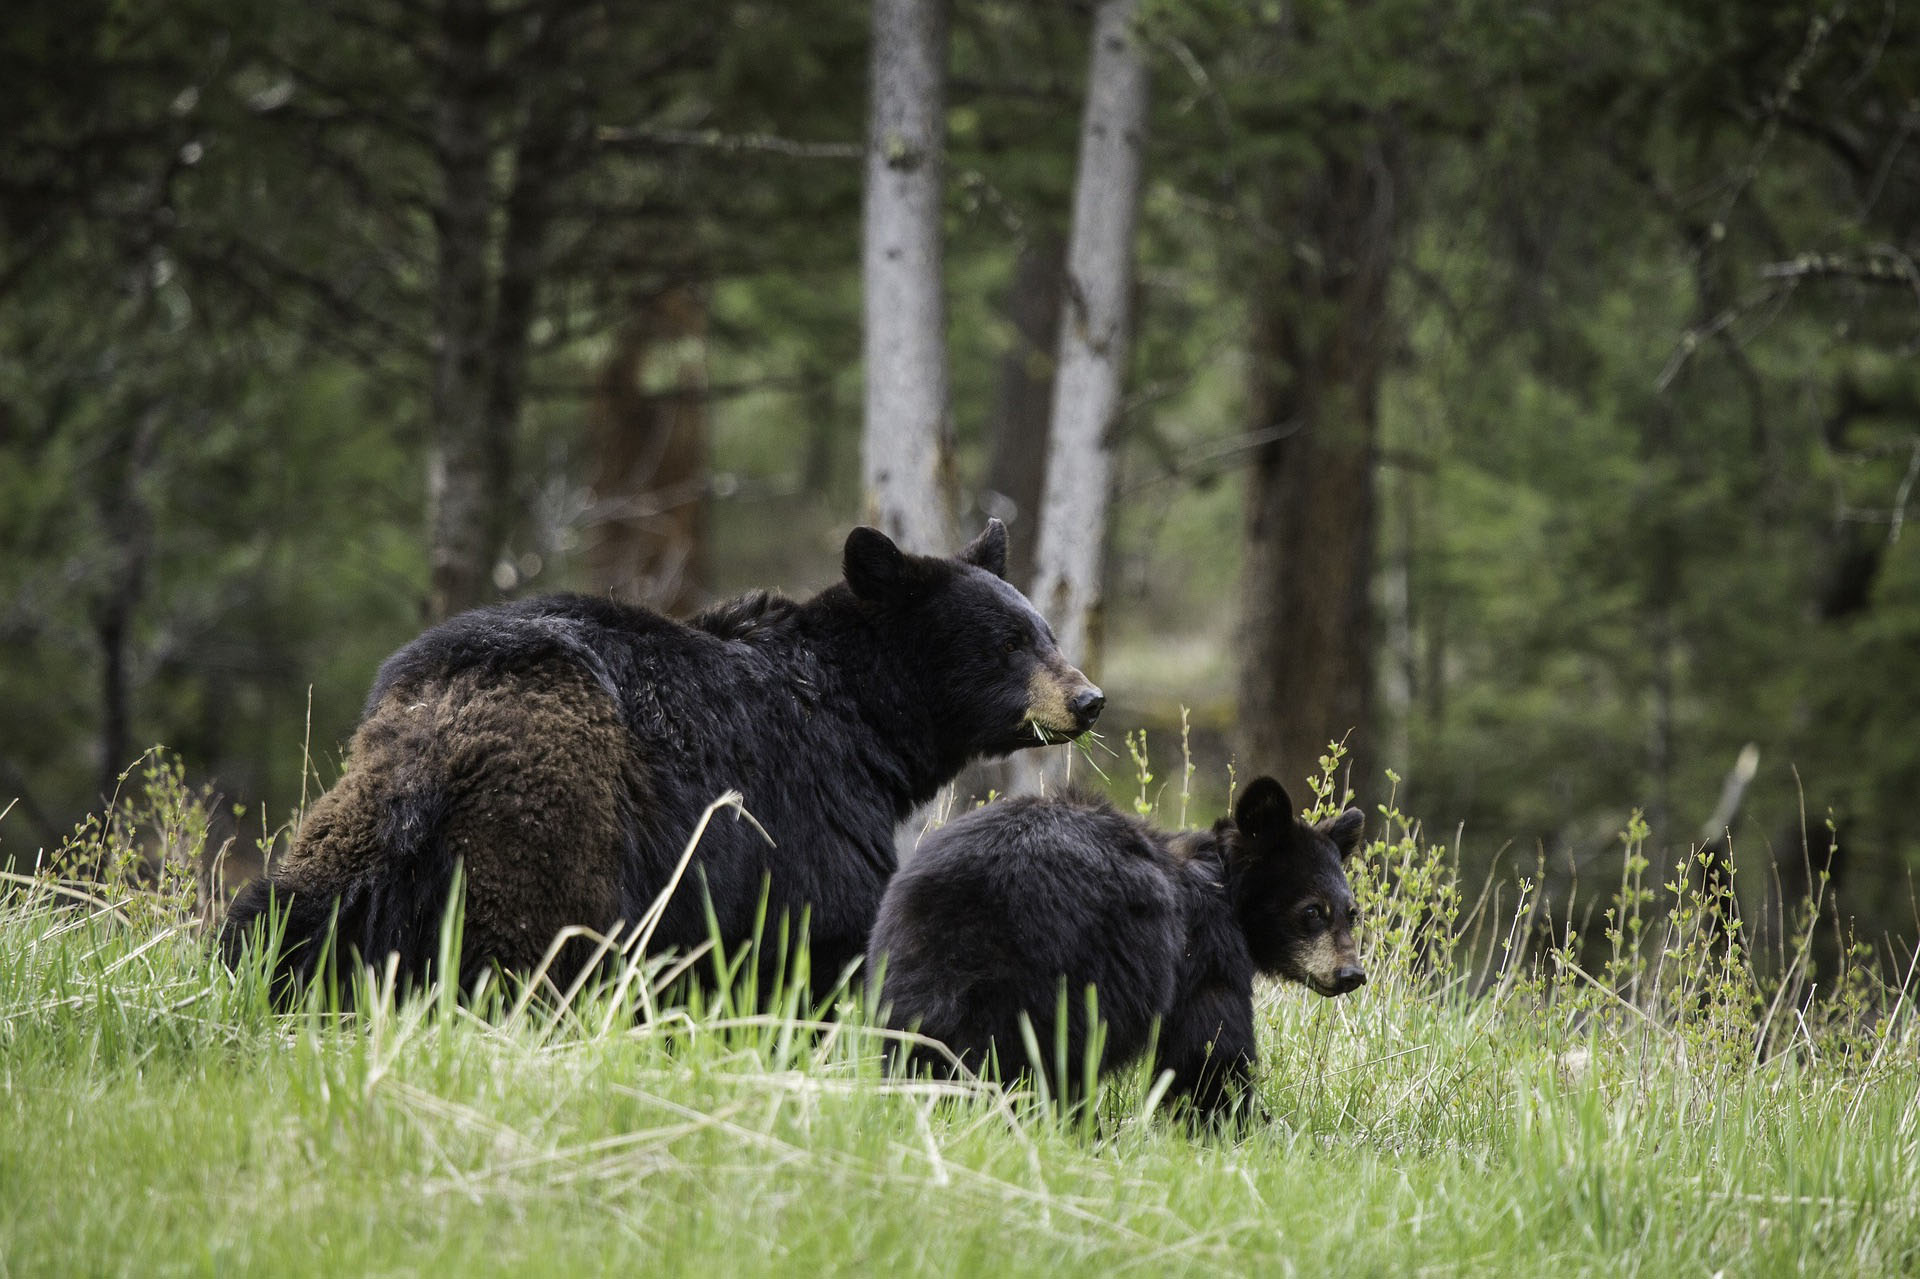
x: 1086, y: 706
x: 1352, y: 977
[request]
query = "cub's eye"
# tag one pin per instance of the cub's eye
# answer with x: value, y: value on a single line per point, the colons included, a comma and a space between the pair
x: 1353, y: 916
x: 1010, y: 646
x: 1313, y: 917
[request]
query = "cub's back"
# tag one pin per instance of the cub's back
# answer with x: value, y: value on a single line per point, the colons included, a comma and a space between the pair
x: 995, y: 909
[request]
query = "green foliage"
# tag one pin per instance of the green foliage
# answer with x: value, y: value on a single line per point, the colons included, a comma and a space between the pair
x: 1648, y: 507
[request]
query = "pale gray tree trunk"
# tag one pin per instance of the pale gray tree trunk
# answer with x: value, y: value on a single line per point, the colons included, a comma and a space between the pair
x: 1095, y: 324
x: 907, y: 443
x: 1094, y: 330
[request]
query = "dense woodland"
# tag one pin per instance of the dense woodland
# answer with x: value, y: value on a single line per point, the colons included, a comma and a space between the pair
x: 1527, y: 391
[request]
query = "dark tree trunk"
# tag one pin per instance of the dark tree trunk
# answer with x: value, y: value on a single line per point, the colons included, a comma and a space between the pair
x: 646, y: 537
x: 1017, y: 465
x: 483, y: 313
x: 820, y: 409
x: 127, y: 520
x: 1840, y: 595
x: 470, y: 460
x: 110, y: 628
x: 1023, y: 398
x: 541, y: 152
x: 1658, y: 541
x: 13, y: 790
x: 1320, y: 338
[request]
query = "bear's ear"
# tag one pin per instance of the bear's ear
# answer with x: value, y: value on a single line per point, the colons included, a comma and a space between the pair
x: 1344, y: 831
x: 989, y: 550
x: 876, y: 569
x: 1264, y: 811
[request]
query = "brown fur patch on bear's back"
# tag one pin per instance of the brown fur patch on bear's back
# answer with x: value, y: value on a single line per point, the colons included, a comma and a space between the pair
x: 527, y: 778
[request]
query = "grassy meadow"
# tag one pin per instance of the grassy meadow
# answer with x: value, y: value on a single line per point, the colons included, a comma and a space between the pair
x: 1495, y: 1101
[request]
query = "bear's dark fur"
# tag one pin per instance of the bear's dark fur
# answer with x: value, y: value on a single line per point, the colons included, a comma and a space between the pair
x: 561, y: 751
x: 999, y: 911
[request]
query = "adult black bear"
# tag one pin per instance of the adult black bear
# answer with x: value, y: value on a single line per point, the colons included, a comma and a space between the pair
x: 1003, y: 909
x: 561, y: 751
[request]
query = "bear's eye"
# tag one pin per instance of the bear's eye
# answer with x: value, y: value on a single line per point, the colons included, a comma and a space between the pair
x: 1011, y: 645
x: 1313, y: 917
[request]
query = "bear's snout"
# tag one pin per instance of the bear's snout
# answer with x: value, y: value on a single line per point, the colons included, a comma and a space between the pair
x: 1085, y: 707
x: 1062, y: 701
x: 1351, y: 977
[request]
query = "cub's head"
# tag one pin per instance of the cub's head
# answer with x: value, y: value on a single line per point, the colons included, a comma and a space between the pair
x: 1291, y: 889
x: 981, y: 658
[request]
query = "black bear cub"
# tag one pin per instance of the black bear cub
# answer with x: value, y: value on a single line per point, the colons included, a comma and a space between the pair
x: 1004, y: 909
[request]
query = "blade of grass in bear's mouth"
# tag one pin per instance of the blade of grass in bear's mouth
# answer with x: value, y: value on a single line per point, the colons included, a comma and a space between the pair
x: 1084, y: 743
x: 1092, y: 737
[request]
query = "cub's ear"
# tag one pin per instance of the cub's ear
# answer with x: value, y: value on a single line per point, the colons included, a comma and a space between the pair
x: 1264, y: 810
x: 1344, y: 831
x: 876, y: 569
x: 989, y: 550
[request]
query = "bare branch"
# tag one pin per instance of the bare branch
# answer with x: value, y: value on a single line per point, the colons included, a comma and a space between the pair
x: 1715, y: 326
x: 1779, y: 106
x: 1884, y: 265
x: 649, y: 138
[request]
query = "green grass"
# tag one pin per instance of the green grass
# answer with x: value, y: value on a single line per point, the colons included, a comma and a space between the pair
x: 1476, y: 1109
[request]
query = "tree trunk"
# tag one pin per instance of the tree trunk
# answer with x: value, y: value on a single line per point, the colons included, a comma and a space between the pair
x: 1403, y: 689
x: 1319, y: 345
x: 540, y: 153
x: 821, y: 411
x: 1023, y: 398
x: 126, y: 517
x: 646, y: 537
x: 1017, y: 466
x: 1850, y: 557
x: 1094, y: 329
x: 469, y: 460
x: 907, y: 445
x: 1658, y: 540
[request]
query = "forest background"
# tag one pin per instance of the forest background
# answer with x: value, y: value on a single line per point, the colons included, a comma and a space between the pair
x: 1526, y: 392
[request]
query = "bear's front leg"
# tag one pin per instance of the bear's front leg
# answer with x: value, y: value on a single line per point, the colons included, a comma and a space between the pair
x: 1207, y: 1042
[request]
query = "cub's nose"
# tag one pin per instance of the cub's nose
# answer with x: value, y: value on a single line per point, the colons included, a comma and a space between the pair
x: 1086, y: 707
x: 1352, y: 977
